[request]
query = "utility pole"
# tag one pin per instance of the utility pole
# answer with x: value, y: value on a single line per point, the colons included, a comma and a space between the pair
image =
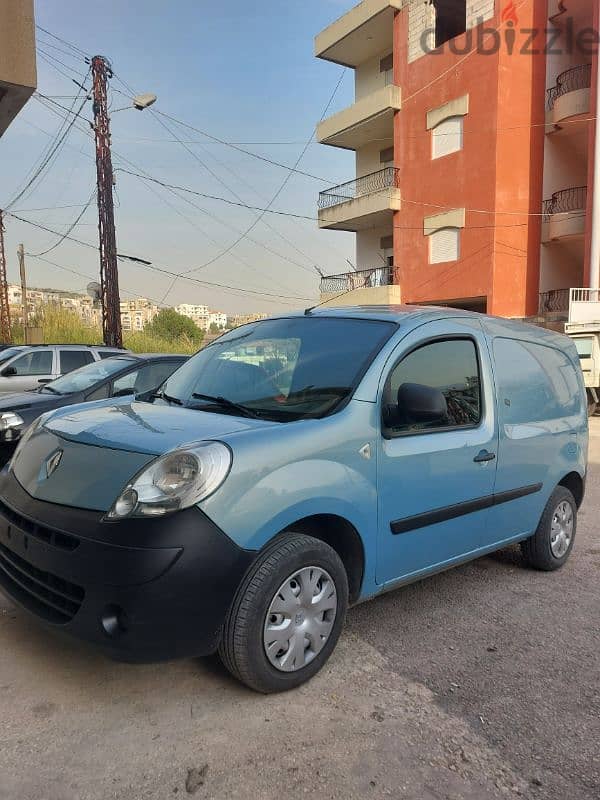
x: 109, y: 276
x: 21, y: 257
x: 5, y: 331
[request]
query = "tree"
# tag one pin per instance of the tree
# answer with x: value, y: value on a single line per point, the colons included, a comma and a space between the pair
x: 168, y: 324
x: 214, y: 328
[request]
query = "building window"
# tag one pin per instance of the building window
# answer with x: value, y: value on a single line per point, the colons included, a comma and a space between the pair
x: 444, y: 245
x: 447, y: 137
x: 450, y: 20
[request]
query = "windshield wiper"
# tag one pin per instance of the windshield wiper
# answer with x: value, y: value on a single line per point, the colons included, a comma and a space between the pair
x: 49, y: 389
x: 225, y: 403
x: 162, y: 396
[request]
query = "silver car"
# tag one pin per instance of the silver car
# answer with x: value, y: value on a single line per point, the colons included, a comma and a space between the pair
x: 33, y: 366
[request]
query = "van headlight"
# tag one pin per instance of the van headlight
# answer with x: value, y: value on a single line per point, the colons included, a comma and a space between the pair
x: 177, y: 480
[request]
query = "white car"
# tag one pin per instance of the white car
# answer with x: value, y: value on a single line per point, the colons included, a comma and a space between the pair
x: 39, y: 364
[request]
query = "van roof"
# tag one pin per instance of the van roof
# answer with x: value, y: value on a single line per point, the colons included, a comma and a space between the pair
x: 495, y: 326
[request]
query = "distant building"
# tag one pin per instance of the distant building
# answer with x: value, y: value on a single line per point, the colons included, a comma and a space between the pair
x: 136, y: 314
x: 217, y: 318
x: 202, y: 316
x: 242, y: 319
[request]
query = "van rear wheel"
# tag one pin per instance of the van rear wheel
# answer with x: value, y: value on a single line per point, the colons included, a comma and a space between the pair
x: 550, y: 546
x: 287, y: 615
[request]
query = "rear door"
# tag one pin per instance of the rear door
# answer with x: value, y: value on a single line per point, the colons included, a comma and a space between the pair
x: 435, y: 484
x: 72, y: 359
x: 539, y: 413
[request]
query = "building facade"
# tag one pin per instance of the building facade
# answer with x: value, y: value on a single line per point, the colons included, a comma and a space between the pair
x: 18, y: 76
x: 474, y: 138
x: 136, y: 314
x: 202, y: 316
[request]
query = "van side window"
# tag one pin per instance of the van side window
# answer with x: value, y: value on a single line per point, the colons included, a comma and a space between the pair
x: 535, y: 382
x: 451, y: 369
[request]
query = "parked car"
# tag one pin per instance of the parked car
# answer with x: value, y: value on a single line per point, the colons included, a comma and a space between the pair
x: 293, y: 467
x: 9, y: 351
x: 113, y: 377
x: 37, y: 364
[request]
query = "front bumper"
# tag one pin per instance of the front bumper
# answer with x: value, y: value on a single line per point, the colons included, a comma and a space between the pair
x: 142, y: 590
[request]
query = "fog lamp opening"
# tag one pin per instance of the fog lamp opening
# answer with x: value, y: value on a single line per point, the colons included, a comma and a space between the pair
x: 114, y: 621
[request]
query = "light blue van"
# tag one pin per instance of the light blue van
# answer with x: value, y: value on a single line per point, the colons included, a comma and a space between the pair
x: 293, y: 467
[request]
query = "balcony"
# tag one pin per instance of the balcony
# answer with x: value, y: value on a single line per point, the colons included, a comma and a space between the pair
x: 364, y: 32
x: 564, y: 215
x: 571, y: 97
x: 366, y: 202
x: 369, y: 119
x: 584, y: 310
x: 555, y: 304
x: 364, y: 287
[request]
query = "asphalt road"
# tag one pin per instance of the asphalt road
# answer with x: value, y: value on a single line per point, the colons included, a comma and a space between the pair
x: 480, y: 683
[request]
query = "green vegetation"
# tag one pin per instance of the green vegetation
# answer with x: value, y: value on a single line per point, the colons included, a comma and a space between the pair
x: 168, y: 324
x: 62, y: 326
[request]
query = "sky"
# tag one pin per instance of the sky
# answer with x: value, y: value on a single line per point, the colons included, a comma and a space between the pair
x: 242, y: 72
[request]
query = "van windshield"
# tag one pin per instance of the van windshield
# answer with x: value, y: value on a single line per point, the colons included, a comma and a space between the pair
x: 283, y: 369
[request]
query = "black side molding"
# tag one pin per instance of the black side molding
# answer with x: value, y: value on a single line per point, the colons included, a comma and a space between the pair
x: 460, y: 509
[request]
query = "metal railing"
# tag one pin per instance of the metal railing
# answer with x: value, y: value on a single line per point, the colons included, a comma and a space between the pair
x: 570, y: 81
x: 387, y: 178
x: 585, y: 295
x: 554, y: 301
x: 361, y: 279
x: 574, y: 199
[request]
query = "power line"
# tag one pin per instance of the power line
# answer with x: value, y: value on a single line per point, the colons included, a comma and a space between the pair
x: 166, y: 185
x: 69, y: 230
x: 157, y: 268
x: 64, y: 41
x: 283, y: 185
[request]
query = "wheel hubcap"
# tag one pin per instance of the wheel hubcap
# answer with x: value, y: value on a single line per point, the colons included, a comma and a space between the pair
x: 300, y: 619
x: 561, y: 532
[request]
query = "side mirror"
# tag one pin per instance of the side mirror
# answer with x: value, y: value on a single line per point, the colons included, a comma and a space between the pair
x: 8, y: 372
x: 421, y: 404
x: 124, y: 392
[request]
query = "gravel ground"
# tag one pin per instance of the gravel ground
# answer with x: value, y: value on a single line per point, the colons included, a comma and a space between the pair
x: 477, y: 684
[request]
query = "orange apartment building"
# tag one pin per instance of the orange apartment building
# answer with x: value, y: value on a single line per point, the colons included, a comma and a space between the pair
x: 474, y: 134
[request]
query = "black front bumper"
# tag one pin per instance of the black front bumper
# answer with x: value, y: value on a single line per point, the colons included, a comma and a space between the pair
x: 142, y: 589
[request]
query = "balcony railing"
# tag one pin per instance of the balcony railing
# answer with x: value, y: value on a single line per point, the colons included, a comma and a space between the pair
x: 570, y: 81
x: 562, y: 202
x: 361, y: 279
x: 388, y: 178
x: 554, y: 301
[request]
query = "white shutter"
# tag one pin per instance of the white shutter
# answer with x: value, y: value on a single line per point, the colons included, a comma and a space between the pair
x: 447, y: 137
x: 444, y: 245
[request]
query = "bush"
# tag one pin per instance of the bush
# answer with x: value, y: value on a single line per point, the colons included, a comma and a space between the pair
x: 168, y: 324
x: 62, y: 326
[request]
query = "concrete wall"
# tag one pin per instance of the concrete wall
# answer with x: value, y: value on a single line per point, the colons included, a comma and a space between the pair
x: 368, y: 78
x: 18, y: 77
x: 368, y: 247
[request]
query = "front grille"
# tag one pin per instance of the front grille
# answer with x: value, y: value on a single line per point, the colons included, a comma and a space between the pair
x: 47, y: 595
x: 64, y: 541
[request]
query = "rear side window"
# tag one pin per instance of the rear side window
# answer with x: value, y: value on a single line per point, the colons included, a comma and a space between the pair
x: 450, y: 366
x: 535, y: 382
x: 37, y: 362
x: 73, y: 359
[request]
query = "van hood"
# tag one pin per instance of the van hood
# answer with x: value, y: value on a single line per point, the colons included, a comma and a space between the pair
x: 100, y: 447
x: 138, y: 427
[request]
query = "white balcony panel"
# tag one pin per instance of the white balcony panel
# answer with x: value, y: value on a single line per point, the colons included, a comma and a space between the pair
x: 369, y: 119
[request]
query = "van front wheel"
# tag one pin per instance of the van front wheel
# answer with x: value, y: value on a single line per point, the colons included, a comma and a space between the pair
x: 551, y: 545
x: 287, y: 615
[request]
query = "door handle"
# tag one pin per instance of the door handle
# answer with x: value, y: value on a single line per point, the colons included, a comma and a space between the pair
x: 484, y: 456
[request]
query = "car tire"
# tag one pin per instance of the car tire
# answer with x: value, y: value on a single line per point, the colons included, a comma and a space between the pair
x: 550, y: 546
x: 267, y: 607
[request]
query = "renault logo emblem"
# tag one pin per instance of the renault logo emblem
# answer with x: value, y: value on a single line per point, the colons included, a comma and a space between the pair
x: 53, y: 462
